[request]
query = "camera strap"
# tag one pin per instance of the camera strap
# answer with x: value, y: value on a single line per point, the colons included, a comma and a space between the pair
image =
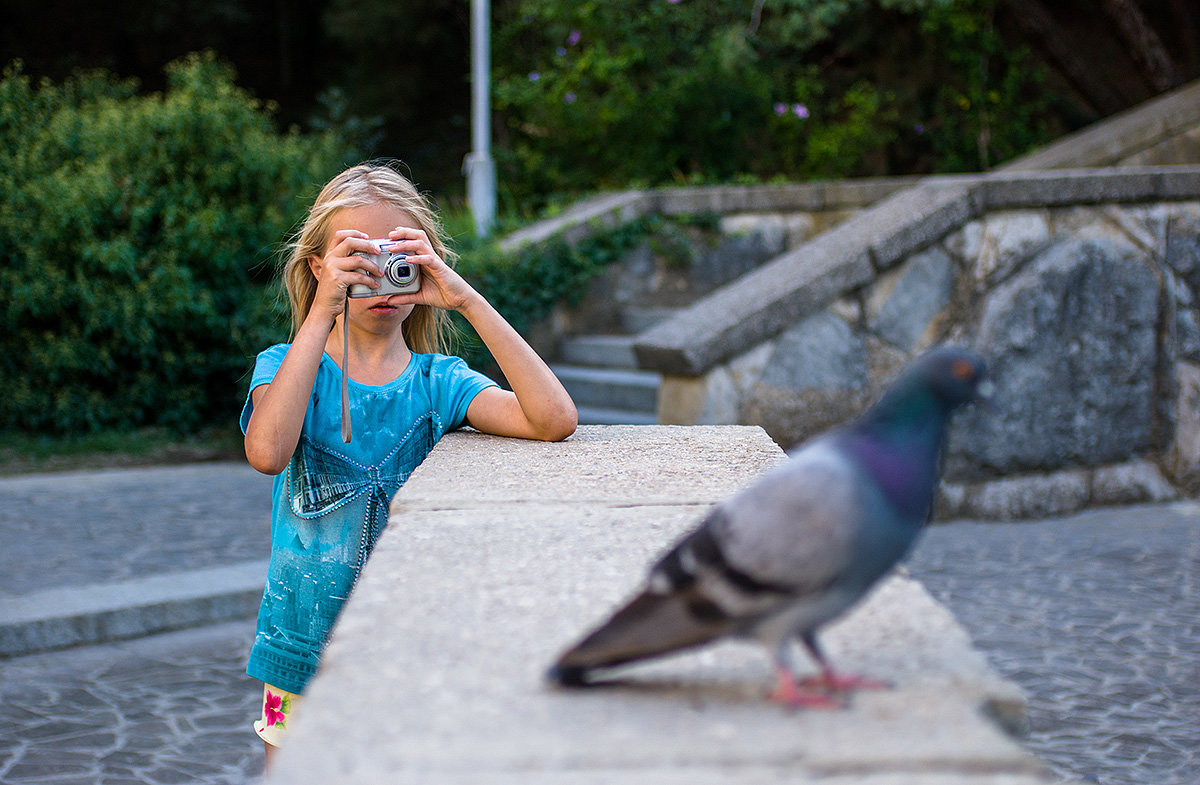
x: 346, y: 370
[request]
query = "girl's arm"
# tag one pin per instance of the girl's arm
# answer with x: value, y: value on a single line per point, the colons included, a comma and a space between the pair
x: 279, y: 407
x: 537, y: 407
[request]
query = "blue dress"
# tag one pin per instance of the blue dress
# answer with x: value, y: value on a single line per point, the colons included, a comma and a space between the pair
x: 331, y: 503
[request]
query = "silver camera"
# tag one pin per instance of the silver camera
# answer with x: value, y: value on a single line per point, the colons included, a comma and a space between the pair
x: 399, y: 276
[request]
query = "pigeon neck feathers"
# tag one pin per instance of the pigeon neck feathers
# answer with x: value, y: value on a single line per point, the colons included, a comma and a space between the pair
x: 897, y: 442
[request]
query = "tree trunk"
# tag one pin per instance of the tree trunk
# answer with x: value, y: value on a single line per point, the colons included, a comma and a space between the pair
x: 1185, y: 18
x: 1144, y: 44
x: 1062, y: 53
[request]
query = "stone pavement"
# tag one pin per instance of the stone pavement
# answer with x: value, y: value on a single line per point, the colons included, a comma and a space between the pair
x: 1097, y: 617
x: 1094, y: 616
x: 96, y: 556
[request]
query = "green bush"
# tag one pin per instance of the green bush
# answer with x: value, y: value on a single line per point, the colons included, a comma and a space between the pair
x: 136, y: 233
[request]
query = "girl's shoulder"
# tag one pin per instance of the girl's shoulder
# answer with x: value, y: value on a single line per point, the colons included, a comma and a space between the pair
x: 436, y: 366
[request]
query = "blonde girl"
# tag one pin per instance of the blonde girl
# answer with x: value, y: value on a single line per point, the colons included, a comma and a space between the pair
x: 330, y: 497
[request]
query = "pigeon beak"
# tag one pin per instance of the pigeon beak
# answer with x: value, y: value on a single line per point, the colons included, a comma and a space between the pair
x: 984, y: 395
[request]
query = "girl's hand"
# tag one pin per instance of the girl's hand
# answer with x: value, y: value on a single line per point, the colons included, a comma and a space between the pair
x: 441, y: 286
x: 339, y: 269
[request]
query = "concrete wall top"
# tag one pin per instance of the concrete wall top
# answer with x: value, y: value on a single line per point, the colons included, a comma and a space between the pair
x: 501, y: 552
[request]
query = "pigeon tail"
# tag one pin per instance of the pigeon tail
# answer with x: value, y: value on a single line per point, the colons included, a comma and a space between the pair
x: 648, y: 626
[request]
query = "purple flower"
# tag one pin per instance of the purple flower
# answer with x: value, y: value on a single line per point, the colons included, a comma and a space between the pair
x: 574, y: 38
x: 534, y: 76
x: 919, y: 128
x: 780, y: 109
x: 561, y: 52
x: 800, y: 110
x: 569, y: 98
x: 673, y: 1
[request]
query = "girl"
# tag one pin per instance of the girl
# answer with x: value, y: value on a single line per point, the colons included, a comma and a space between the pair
x: 330, y: 497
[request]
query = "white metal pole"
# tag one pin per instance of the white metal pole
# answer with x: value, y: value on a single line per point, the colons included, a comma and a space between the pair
x: 480, y: 168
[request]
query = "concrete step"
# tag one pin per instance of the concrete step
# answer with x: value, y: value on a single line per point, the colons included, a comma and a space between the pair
x: 599, y: 351
x: 610, y: 388
x: 595, y: 415
x: 85, y: 615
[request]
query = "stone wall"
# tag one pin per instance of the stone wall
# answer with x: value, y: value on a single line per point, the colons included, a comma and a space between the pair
x: 1088, y: 314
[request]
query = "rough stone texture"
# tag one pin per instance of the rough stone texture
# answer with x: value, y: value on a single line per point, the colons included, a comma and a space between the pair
x: 1013, y: 498
x: 996, y: 245
x: 450, y: 689
x: 818, y: 375
x: 1086, y: 314
x: 903, y: 312
x: 1072, y: 340
x: 1183, y: 458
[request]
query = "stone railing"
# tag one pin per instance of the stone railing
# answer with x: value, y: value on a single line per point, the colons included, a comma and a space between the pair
x: 1080, y: 286
x: 501, y: 552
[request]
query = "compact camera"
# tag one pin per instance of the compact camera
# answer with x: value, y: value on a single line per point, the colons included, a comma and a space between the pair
x: 399, y: 276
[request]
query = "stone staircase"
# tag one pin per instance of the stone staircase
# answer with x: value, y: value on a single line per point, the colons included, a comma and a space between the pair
x: 593, y: 341
x: 601, y: 373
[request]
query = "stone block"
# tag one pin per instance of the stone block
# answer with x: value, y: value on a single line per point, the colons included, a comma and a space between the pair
x: 1072, y: 342
x: 913, y: 219
x: 1008, y: 240
x: 903, y: 313
x: 1135, y: 482
x: 1182, y: 462
x: 1016, y: 498
x: 1049, y: 189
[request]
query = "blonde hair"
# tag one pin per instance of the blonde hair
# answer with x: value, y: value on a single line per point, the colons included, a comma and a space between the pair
x: 427, y: 329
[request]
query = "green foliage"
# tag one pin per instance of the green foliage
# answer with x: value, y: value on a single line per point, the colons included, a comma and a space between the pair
x: 136, y: 233
x: 647, y: 92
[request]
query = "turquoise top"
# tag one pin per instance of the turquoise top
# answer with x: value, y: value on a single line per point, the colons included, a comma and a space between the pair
x: 331, y: 503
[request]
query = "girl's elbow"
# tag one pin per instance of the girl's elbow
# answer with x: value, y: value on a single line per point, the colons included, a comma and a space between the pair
x: 265, y: 460
x: 561, y: 425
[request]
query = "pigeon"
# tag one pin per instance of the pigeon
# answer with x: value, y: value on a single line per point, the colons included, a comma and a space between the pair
x: 799, y: 546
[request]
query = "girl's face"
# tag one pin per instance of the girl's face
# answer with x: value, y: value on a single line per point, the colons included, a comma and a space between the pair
x: 376, y: 314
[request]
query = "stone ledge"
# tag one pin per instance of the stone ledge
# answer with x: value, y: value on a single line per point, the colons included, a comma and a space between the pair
x: 501, y: 552
x: 614, y: 209
x: 1110, y: 141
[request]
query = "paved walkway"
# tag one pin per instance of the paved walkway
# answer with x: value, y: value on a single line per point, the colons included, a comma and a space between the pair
x: 1094, y: 615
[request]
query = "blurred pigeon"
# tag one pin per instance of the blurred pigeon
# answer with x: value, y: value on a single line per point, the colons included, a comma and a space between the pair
x: 802, y: 544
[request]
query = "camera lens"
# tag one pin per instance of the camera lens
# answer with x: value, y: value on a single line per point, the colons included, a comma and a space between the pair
x: 399, y: 271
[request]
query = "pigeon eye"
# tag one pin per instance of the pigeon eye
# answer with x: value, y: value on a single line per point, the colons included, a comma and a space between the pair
x: 962, y: 370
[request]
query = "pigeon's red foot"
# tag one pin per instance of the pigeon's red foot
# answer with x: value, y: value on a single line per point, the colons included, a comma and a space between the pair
x: 844, y: 682
x: 788, y: 692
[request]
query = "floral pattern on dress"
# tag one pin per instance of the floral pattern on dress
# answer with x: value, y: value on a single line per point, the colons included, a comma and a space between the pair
x: 276, y: 709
